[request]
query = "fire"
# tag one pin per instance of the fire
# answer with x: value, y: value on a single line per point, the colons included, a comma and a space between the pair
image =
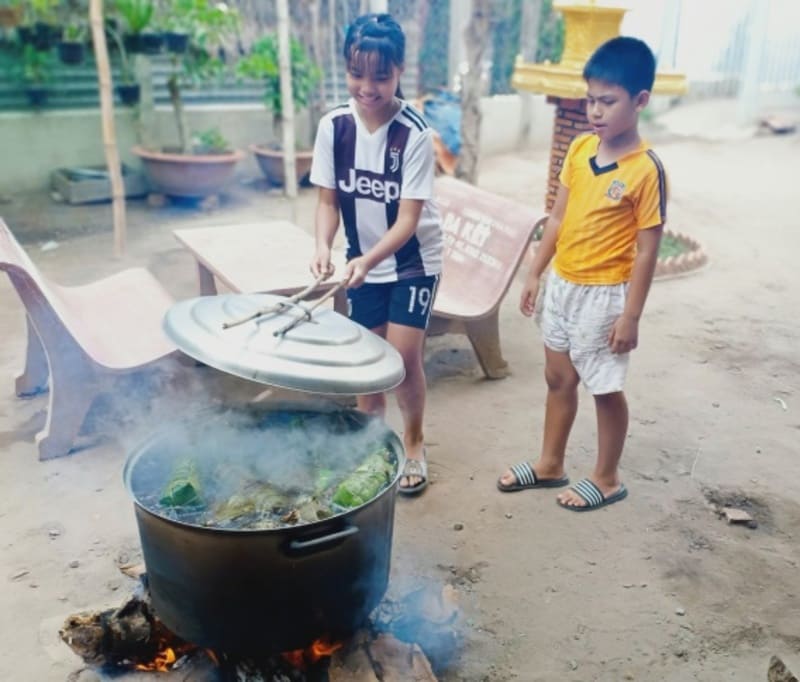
x: 319, y: 649
x: 166, y: 657
x: 163, y: 661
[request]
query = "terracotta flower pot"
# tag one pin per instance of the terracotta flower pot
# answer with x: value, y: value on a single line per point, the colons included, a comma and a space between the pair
x: 271, y: 163
x: 188, y: 175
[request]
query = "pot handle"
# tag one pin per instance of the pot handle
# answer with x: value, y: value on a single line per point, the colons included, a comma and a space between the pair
x: 314, y: 543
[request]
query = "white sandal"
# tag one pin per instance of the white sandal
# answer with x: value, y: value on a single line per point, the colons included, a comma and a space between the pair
x: 414, y: 467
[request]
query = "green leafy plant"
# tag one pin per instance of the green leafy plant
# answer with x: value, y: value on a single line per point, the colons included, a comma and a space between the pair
x: 261, y: 64
x: 75, y: 31
x: 210, y: 141
x: 36, y: 67
x: 209, y: 25
x: 127, y: 74
x: 137, y: 14
x: 43, y: 10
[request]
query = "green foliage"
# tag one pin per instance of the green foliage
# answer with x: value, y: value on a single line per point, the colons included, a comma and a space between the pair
x: 262, y: 65
x: 137, y: 14
x: 41, y: 10
x: 505, y: 44
x: 210, y: 141
x: 671, y: 246
x: 433, y: 56
x: 550, y: 42
x: 75, y: 31
x: 35, y: 67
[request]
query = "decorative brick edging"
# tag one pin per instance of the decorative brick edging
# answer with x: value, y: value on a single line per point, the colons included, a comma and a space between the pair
x: 687, y: 262
x: 690, y: 260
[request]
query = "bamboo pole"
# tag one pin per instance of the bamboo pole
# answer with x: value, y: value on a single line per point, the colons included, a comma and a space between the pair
x: 287, y: 100
x: 107, y: 118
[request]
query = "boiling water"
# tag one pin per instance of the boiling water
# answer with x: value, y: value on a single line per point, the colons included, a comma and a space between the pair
x: 251, y: 471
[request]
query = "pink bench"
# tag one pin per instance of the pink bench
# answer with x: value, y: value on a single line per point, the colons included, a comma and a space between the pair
x: 81, y: 339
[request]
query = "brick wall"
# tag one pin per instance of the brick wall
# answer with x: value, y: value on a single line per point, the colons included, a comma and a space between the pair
x: 570, y: 121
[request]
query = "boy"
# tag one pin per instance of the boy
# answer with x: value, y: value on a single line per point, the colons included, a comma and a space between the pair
x: 604, y: 230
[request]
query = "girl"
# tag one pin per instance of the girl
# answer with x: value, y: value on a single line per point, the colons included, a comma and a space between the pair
x: 374, y: 165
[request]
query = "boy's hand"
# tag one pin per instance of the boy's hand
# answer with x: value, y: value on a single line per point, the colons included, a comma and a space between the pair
x: 624, y: 334
x: 527, y: 299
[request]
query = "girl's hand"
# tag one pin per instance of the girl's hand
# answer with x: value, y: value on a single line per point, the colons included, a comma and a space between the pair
x: 624, y: 335
x: 527, y: 299
x: 355, y: 272
x: 321, y: 264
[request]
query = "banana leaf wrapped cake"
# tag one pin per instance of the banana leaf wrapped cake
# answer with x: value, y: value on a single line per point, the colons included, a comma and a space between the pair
x: 294, y: 471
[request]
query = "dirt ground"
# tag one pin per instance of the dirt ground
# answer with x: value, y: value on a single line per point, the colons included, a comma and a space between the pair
x: 655, y: 588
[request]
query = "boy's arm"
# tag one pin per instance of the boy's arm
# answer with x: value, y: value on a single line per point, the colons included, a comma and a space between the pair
x: 624, y: 334
x: 544, y: 252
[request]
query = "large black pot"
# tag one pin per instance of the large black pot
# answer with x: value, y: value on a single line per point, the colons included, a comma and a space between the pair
x: 254, y: 592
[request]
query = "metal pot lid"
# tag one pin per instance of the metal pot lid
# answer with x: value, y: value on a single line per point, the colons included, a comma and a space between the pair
x: 319, y: 351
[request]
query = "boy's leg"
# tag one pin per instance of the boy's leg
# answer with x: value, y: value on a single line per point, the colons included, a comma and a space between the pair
x: 561, y: 407
x: 612, y: 428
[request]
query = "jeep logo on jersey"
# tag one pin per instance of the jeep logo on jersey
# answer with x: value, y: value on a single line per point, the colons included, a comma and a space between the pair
x: 370, y: 186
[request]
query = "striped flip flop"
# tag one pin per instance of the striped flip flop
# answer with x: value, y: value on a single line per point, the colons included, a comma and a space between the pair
x: 526, y: 479
x: 593, y: 497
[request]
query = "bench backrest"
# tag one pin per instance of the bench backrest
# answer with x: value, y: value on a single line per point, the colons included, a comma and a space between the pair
x: 486, y: 237
x: 44, y: 303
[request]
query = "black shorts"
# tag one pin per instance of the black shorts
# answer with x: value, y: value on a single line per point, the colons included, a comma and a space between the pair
x: 407, y: 302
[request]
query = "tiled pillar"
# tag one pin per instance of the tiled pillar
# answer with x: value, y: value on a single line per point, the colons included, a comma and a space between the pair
x: 570, y: 121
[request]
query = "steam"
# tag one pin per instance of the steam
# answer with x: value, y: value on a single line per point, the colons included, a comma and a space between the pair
x: 297, y: 451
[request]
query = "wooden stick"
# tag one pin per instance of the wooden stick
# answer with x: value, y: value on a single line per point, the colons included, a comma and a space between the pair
x: 307, y: 315
x: 107, y: 117
x: 276, y: 307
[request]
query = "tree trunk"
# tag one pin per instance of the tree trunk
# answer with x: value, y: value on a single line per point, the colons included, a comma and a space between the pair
x: 107, y: 118
x: 180, y: 114
x: 306, y: 17
x: 287, y: 100
x: 476, y: 36
x: 528, y: 44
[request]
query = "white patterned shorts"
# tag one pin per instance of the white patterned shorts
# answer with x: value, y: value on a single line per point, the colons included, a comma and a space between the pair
x: 577, y: 319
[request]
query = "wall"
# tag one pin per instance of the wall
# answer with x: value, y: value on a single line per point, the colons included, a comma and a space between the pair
x: 35, y: 144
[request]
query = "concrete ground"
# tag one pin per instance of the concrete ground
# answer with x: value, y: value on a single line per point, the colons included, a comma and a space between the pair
x: 655, y: 588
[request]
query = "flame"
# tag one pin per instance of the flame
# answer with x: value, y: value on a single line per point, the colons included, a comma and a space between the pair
x: 163, y: 661
x: 319, y: 649
x: 167, y: 656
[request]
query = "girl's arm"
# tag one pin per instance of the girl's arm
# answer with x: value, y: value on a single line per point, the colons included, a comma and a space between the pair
x: 624, y: 336
x: 327, y: 222
x: 544, y: 252
x: 398, y: 234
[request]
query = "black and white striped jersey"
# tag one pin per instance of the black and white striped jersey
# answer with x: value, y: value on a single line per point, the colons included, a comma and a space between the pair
x: 371, y: 173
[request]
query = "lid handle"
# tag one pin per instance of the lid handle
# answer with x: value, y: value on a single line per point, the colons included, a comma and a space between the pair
x: 276, y: 307
x: 306, y: 316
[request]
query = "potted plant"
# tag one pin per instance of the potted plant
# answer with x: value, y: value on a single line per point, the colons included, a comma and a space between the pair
x: 71, y: 49
x: 138, y: 17
x: 46, y: 30
x: 187, y: 169
x: 35, y: 72
x: 262, y: 64
x: 128, y: 90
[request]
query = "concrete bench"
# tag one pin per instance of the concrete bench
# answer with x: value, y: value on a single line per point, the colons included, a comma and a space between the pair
x: 82, y: 339
x: 486, y: 237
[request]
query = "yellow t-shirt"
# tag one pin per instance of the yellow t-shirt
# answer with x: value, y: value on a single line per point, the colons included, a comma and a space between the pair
x: 606, y: 208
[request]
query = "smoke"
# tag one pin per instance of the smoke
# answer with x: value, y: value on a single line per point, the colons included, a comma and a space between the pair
x: 257, y: 461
